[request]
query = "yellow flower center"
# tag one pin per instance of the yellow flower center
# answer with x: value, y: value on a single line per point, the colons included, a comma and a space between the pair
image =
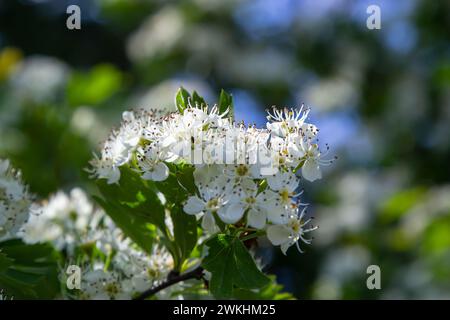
x: 284, y: 194
x: 295, y: 225
x: 112, y: 289
x: 242, y: 170
x: 212, y: 204
x: 250, y: 200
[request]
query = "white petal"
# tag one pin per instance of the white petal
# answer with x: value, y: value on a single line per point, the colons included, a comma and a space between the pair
x: 147, y: 175
x: 140, y: 283
x: 194, y: 205
x: 208, y: 223
x: 231, y: 213
x: 255, y: 171
x: 4, y: 164
x: 2, y: 218
x: 160, y: 172
x: 296, y: 151
x: 168, y: 141
x: 284, y: 247
x: 292, y: 182
x: 277, y: 214
x: 128, y: 116
x: 311, y: 170
x: 113, y: 175
x: 256, y: 218
x: 266, y: 197
x: 275, y: 182
x: 278, y: 234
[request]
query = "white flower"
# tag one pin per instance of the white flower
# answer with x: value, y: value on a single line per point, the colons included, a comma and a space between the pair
x: 130, y: 132
x: 117, y: 149
x: 280, y: 198
x: 286, y: 121
x: 103, y: 285
x: 142, y: 271
x: 114, y: 155
x: 15, y: 201
x: 285, y: 235
x: 241, y: 173
x: 307, y: 155
x: 212, y: 200
x: 150, y: 162
x: 248, y: 200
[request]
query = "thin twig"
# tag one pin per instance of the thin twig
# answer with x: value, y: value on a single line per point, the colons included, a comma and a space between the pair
x: 194, y: 274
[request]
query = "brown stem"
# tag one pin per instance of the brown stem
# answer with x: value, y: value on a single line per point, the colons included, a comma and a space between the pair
x: 194, y: 274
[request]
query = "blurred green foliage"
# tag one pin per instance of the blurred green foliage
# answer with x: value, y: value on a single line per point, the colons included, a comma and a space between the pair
x: 95, y: 86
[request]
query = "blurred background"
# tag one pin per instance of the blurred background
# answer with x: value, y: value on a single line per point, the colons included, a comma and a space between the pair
x: 381, y: 99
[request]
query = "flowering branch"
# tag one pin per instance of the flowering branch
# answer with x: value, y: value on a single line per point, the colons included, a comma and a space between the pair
x: 194, y: 274
x: 198, y: 167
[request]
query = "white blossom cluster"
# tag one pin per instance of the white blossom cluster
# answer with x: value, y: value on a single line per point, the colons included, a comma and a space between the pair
x: 244, y: 175
x: 15, y: 201
x: 73, y: 224
x: 130, y: 273
x: 65, y: 220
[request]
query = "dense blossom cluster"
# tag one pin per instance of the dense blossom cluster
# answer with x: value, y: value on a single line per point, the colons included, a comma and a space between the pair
x: 244, y: 175
x: 65, y: 220
x: 15, y: 201
x: 73, y: 224
x: 130, y: 273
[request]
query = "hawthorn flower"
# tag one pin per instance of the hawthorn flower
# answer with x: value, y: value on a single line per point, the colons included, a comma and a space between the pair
x: 114, y: 154
x: 150, y: 160
x: 142, y: 271
x: 241, y: 174
x: 15, y: 201
x: 130, y: 131
x: 311, y: 166
x: 302, y: 152
x: 286, y: 235
x: 103, y: 285
x: 282, y: 191
x: 117, y: 149
x: 248, y: 200
x: 286, y: 121
x: 73, y: 224
x: 210, y: 202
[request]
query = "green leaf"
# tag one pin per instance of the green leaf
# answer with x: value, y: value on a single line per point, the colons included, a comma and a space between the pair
x: 133, y: 205
x: 185, y: 176
x: 182, y: 99
x: 185, y: 233
x: 176, y: 189
x: 272, y: 291
x: 173, y: 191
x: 231, y: 265
x: 94, y: 87
x: 5, y: 262
x: 198, y: 100
x: 28, y: 271
x: 226, y: 102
